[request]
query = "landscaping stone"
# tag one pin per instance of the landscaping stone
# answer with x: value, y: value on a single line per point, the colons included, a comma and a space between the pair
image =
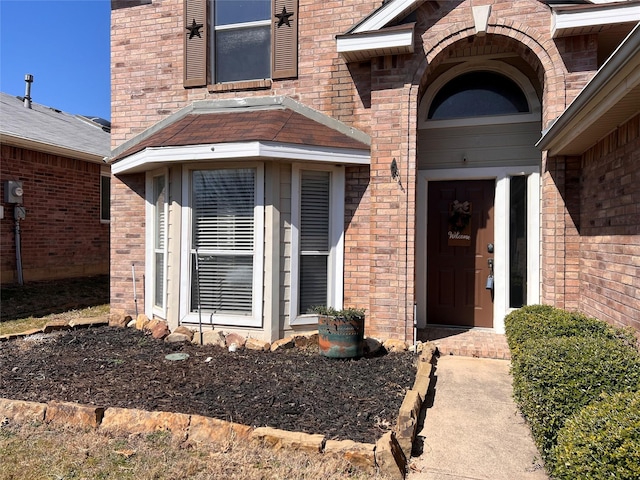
x: 394, y: 345
x: 67, y: 413
x: 255, y: 344
x: 177, y: 338
x: 20, y: 411
x: 213, y: 337
x: 359, y: 454
x: 371, y: 346
x: 88, y: 322
x: 212, y: 430
x: 423, y: 379
x: 55, y: 325
x: 184, y: 331
x: 160, y: 330
x: 141, y: 321
x: 231, y: 338
x: 277, y: 439
x: 408, y: 421
x: 142, y: 422
x: 283, y: 344
x: 119, y: 320
x: 389, y: 457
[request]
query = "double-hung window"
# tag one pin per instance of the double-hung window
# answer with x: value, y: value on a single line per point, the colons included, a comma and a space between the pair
x: 157, y: 242
x: 241, y: 43
x: 317, y: 239
x: 225, y: 246
x: 244, y: 43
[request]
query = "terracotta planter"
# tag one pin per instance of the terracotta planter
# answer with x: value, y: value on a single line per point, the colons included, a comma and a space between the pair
x: 339, y: 337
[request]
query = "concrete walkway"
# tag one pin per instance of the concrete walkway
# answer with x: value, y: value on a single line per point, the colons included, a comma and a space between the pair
x: 473, y: 430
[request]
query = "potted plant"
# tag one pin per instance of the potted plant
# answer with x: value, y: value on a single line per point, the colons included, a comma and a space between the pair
x: 340, y: 332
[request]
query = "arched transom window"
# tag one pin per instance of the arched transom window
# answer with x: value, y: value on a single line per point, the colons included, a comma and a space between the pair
x: 476, y: 94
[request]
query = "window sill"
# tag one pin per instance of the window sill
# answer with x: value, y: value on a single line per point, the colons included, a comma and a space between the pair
x: 243, y: 85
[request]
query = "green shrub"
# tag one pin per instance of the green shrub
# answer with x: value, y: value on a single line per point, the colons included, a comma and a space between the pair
x: 602, y: 441
x: 555, y: 377
x: 544, y: 321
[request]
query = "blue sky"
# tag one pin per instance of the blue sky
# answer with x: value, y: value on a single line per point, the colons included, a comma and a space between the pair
x: 64, y: 44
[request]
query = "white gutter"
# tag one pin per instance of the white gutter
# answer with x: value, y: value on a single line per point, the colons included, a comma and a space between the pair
x: 584, y: 16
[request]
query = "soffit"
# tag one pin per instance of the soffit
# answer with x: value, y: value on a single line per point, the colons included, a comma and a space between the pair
x: 608, y: 100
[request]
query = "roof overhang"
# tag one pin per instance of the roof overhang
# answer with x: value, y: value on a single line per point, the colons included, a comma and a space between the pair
x: 155, y: 157
x: 253, y: 128
x: 373, y: 37
x: 30, y: 144
x: 568, y: 20
x: 358, y: 47
x: 608, y: 100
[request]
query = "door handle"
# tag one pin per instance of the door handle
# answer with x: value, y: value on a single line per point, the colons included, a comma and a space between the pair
x: 489, y: 284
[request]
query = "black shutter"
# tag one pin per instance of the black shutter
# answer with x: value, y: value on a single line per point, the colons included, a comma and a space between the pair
x: 195, y: 43
x: 284, y: 38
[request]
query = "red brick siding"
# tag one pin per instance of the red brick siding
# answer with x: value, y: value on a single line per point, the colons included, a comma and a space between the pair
x: 379, y: 97
x: 62, y: 235
x: 610, y: 228
x: 127, y: 242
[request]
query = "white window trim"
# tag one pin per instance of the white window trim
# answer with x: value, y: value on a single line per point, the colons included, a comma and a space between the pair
x: 501, y: 234
x: 484, y: 64
x: 335, y: 283
x: 255, y: 319
x: 150, y: 308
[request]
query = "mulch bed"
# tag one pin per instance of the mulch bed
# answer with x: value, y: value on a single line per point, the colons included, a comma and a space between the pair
x: 295, y: 389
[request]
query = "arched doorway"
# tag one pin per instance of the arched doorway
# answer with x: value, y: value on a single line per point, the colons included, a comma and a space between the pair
x: 478, y: 195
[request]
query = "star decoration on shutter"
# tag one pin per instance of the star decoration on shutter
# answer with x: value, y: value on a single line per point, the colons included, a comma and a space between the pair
x: 194, y: 29
x: 284, y: 17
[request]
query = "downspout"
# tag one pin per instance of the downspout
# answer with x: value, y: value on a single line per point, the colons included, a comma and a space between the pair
x: 18, y: 248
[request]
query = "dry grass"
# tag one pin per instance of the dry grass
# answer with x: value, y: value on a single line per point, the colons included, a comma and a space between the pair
x: 29, y: 306
x: 42, y: 452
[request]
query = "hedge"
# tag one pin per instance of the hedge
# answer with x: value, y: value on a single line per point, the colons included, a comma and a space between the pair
x: 544, y: 321
x: 602, y: 441
x: 554, y: 378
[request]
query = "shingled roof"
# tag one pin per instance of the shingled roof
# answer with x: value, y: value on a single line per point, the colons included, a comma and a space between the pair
x: 50, y: 130
x: 270, y: 122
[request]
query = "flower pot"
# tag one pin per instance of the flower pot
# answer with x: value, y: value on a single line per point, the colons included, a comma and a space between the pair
x: 340, y: 337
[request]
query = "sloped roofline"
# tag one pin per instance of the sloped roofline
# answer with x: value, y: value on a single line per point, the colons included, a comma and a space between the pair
x: 608, y: 99
x: 388, y: 12
x: 243, y: 105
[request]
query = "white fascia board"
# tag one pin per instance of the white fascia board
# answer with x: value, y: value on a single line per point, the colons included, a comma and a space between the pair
x: 375, y: 41
x: 617, y: 76
x: 153, y: 157
x: 569, y: 18
x: 386, y: 14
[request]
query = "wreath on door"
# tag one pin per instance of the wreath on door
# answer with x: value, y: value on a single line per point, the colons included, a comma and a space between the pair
x: 459, y: 216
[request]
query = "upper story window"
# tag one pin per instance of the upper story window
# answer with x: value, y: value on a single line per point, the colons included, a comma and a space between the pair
x: 241, y: 43
x: 476, y: 94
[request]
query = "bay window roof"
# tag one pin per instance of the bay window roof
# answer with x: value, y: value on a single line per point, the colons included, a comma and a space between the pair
x: 268, y: 127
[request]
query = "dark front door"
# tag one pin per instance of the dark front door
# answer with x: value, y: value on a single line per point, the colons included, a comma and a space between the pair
x: 459, y: 250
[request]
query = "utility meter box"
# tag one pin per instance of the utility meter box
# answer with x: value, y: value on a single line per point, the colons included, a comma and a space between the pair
x: 13, y: 192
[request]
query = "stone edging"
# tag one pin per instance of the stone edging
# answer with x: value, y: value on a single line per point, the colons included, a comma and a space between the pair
x: 389, y: 454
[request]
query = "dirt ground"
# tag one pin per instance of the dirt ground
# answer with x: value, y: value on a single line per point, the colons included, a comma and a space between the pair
x: 291, y: 389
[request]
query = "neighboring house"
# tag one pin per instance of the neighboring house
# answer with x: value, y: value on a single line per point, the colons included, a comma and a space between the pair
x: 271, y: 155
x: 55, y: 188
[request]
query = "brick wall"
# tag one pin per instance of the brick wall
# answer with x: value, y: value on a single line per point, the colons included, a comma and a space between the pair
x: 610, y: 228
x: 62, y: 235
x: 378, y: 97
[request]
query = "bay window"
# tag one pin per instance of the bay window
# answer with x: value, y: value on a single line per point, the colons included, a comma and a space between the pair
x: 317, y: 239
x: 224, y: 246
